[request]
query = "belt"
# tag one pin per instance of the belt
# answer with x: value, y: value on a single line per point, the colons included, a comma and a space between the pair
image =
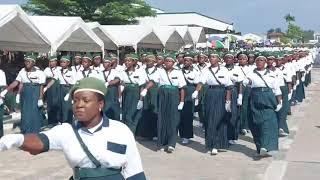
x: 261, y: 89
x: 131, y: 85
x: 169, y: 86
x: 215, y: 86
x: 66, y: 85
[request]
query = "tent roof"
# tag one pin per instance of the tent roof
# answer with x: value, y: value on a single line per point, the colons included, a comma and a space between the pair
x: 198, y: 35
x: 68, y: 33
x: 169, y: 37
x: 127, y: 35
x: 185, y: 34
x: 18, y: 33
x: 108, y: 40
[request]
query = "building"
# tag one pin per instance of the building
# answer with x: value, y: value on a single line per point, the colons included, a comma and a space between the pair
x: 190, y: 19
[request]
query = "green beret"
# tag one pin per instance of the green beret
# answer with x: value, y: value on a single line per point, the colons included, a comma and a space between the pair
x: 188, y: 55
x: 203, y: 54
x: 89, y: 84
x: 96, y: 55
x: 134, y: 56
x: 169, y: 56
x: 65, y: 58
x: 30, y: 57
x: 160, y: 54
x: 53, y: 58
x: 87, y: 56
x: 107, y: 58
x: 78, y: 55
x: 179, y: 54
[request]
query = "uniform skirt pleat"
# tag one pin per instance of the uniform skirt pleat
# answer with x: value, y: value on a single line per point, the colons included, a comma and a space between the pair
x: 232, y: 117
x: 300, y: 94
x: 130, y: 114
x: 31, y: 115
x: 54, y: 103
x: 66, y: 106
x: 147, y: 126
x: 263, y: 121
x: 1, y: 116
x: 201, y: 108
x: 168, y: 116
x: 186, y: 118
x: 283, y: 113
x: 112, y: 104
x: 216, y: 122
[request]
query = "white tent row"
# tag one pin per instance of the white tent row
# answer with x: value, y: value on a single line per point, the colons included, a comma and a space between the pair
x: 68, y: 34
x: 18, y: 33
x: 108, y: 40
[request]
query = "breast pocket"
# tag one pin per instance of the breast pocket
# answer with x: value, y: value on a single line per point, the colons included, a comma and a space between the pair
x: 117, y: 148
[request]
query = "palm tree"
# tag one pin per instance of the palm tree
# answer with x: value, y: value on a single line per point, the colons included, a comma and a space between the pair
x: 289, y: 18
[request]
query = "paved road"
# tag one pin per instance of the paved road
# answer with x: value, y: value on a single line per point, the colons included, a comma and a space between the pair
x: 297, y: 159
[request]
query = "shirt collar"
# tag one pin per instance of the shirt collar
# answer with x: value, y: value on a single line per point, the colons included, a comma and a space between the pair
x: 105, y: 123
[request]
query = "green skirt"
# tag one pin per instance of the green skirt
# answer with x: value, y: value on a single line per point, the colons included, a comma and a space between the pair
x: 216, y: 123
x: 53, y: 103
x: 200, y: 107
x: 244, y: 109
x: 168, y: 116
x: 147, y: 126
x: 283, y: 113
x: 112, y: 104
x: 130, y: 114
x: 300, y: 94
x: 263, y: 121
x: 66, y: 106
x: 31, y: 114
x: 186, y: 120
x: 233, y: 116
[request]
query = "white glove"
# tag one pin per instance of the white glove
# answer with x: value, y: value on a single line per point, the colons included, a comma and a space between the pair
x: 18, y: 98
x: 11, y: 141
x: 239, y: 100
x: 279, y: 106
x: 228, y: 106
x: 245, y: 82
x: 45, y: 89
x: 298, y: 82
x: 303, y: 79
x: 121, y: 88
x: 66, y: 97
x: 3, y: 93
x: 106, y: 84
x: 295, y: 87
x: 140, y: 105
x: 40, y: 103
x: 289, y: 96
x: 143, y: 92
x: 195, y: 94
x: 196, y: 102
x: 180, y: 106
x: 1, y: 101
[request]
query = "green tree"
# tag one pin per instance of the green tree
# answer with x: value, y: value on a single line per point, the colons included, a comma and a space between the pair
x: 294, y: 32
x: 308, y: 35
x: 102, y: 11
x: 289, y: 18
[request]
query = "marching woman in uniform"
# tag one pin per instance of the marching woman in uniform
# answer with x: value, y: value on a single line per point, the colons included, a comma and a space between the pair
x: 236, y: 76
x: 86, y: 70
x: 147, y: 127
x: 53, y: 93
x: 3, y: 84
x: 191, y: 76
x: 217, y: 103
x: 171, y: 102
x: 132, y: 103
x: 265, y: 101
x: 96, y: 63
x: 97, y: 148
x: 77, y: 63
x: 33, y: 80
x: 245, y: 69
x: 112, y: 82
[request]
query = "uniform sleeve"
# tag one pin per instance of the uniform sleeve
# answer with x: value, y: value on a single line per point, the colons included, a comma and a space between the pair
x: 197, y: 77
x: 3, y: 78
x: 42, y: 77
x: 276, y: 87
x: 228, y: 81
x: 203, y: 77
x: 19, y: 76
x: 142, y: 78
x: 182, y: 82
x: 133, y: 169
x: 55, y: 137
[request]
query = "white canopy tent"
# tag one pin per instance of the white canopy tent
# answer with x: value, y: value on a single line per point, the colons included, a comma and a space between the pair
x: 18, y: 33
x: 68, y: 34
x: 169, y: 37
x: 127, y: 35
x: 252, y: 37
x: 185, y: 34
x: 198, y: 35
x: 108, y: 40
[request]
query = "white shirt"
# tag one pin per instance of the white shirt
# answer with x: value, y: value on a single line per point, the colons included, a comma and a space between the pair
x: 174, y: 78
x: 269, y: 77
x: 67, y: 76
x: 287, y: 74
x: 100, y: 68
x: 221, y: 74
x: 111, y: 143
x: 3, y: 79
x: 37, y: 76
x: 138, y: 76
x: 52, y: 72
x: 89, y: 73
x: 153, y: 74
x: 77, y: 68
x: 191, y: 76
x: 236, y: 75
x: 110, y: 75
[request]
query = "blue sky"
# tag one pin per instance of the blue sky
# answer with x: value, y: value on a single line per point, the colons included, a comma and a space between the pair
x: 247, y: 15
